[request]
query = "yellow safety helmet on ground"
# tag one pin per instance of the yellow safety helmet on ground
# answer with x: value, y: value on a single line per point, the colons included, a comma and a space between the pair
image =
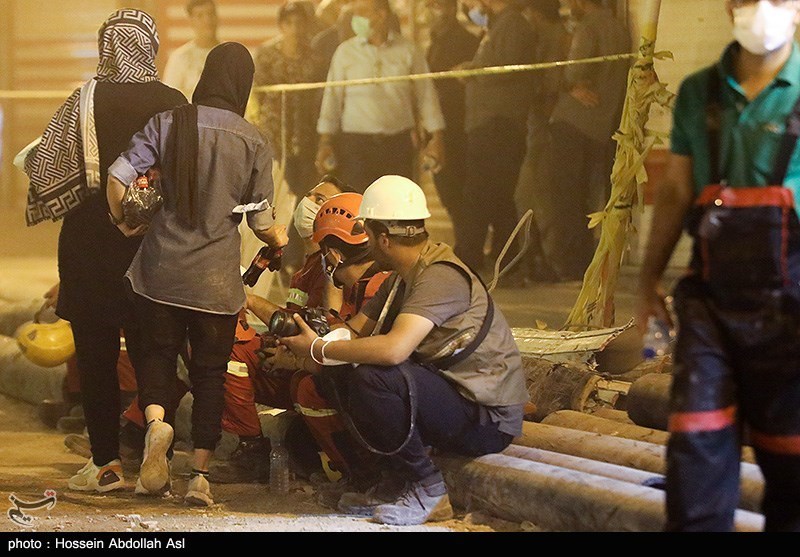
x: 47, y: 344
x: 391, y: 198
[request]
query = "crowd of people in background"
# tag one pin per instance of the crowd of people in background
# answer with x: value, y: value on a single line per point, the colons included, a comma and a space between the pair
x: 490, y: 145
x: 357, y: 246
x: 390, y: 349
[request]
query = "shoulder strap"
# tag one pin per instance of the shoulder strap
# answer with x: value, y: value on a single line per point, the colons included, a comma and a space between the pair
x: 788, y: 143
x: 714, y: 123
x: 450, y: 361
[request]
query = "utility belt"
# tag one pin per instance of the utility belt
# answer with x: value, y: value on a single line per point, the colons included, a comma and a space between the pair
x: 745, y: 238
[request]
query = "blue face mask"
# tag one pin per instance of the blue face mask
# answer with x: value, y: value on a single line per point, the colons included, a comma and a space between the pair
x: 478, y: 17
x: 360, y: 26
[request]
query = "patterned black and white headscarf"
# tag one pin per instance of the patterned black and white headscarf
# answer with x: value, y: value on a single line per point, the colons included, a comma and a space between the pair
x: 64, y: 169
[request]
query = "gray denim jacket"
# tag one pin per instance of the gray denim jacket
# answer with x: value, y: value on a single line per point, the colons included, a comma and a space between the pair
x: 199, y: 268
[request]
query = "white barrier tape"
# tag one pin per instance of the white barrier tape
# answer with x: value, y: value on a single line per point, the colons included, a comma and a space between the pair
x: 492, y: 70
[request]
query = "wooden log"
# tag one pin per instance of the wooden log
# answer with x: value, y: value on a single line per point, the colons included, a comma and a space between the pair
x: 627, y: 452
x: 662, y: 364
x: 597, y: 424
x: 648, y: 406
x: 588, y: 465
x: 555, y: 386
x: 559, y: 499
x: 648, y: 400
x: 613, y: 414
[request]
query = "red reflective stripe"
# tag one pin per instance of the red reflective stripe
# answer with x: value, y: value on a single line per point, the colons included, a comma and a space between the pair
x: 688, y: 422
x: 766, y: 196
x: 780, y: 444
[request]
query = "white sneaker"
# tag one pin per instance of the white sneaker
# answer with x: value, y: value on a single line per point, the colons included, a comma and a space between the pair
x: 154, y: 472
x: 198, y: 493
x: 163, y: 492
x: 98, y: 478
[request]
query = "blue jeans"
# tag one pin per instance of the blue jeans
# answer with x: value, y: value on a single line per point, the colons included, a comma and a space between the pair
x: 377, y: 399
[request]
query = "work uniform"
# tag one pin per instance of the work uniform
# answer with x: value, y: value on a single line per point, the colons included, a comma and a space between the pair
x: 737, y: 356
x: 321, y: 417
x: 247, y: 382
x: 470, y: 407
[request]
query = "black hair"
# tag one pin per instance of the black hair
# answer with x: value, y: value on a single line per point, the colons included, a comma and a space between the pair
x: 378, y: 228
x: 550, y: 9
x: 192, y: 4
x: 336, y: 181
x: 349, y: 251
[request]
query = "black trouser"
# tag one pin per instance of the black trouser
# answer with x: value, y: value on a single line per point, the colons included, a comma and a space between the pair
x: 737, y: 364
x: 379, y: 407
x: 165, y: 330
x: 97, y: 347
x: 449, y: 181
x: 494, y: 155
x: 580, y: 182
x: 363, y: 158
x: 532, y: 173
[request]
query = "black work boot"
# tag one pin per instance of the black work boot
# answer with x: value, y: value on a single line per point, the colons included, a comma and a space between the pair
x: 248, y: 463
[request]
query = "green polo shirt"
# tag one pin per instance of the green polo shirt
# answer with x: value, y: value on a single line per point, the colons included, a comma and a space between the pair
x: 751, y: 130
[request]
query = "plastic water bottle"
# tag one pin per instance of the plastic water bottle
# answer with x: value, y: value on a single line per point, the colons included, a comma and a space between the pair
x: 278, y: 467
x: 657, y: 339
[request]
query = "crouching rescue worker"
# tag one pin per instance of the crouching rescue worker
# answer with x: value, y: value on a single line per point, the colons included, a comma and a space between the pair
x: 733, y: 175
x: 443, y: 371
x: 349, y: 266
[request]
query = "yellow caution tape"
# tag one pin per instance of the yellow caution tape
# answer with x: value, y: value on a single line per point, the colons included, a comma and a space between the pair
x: 492, y: 70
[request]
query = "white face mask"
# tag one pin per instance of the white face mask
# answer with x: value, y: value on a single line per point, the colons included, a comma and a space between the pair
x: 304, y: 215
x: 763, y: 27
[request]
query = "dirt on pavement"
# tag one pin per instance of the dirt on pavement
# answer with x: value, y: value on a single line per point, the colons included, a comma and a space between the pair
x: 34, y: 460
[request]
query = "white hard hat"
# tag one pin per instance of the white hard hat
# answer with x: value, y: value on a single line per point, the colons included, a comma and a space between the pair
x: 392, y: 198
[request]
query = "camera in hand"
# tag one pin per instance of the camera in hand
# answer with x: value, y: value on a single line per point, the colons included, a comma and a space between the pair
x: 282, y: 323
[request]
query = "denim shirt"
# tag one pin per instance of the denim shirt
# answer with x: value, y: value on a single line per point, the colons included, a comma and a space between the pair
x: 198, y: 268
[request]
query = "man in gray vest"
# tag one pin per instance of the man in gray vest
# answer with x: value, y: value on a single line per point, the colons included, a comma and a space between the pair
x: 427, y: 362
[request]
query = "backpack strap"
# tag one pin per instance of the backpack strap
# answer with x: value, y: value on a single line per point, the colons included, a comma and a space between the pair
x: 449, y: 361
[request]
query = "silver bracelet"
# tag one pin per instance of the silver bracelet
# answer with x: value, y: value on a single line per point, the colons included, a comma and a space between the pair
x: 311, y: 350
x: 322, y: 350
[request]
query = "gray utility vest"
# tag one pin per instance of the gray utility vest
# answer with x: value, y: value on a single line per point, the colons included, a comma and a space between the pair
x: 492, y: 375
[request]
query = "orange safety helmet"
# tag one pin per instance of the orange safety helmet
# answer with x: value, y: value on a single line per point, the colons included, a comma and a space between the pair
x: 336, y: 217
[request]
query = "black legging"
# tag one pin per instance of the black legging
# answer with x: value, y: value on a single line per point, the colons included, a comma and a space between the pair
x: 165, y: 331
x: 494, y: 156
x: 97, y: 348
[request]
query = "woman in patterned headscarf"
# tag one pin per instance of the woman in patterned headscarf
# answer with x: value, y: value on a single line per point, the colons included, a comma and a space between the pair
x: 67, y: 174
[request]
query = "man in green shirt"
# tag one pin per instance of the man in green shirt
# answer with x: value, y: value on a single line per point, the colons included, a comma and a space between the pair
x: 731, y: 177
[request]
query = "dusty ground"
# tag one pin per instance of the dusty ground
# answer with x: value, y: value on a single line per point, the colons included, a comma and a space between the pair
x: 33, y: 459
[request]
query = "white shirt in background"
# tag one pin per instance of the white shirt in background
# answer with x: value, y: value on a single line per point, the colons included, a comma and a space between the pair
x: 184, y: 67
